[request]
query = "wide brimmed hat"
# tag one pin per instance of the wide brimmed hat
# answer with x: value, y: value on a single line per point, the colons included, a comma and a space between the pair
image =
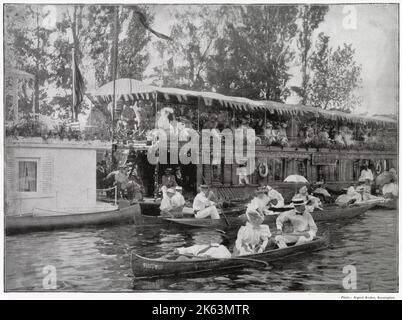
x: 298, y: 201
x: 170, y: 190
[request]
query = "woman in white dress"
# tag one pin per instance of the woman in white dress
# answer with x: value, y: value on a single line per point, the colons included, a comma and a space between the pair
x: 253, y: 237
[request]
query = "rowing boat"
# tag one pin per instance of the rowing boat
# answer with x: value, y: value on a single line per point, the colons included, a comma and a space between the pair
x: 329, y: 213
x: 388, y: 205
x: 150, y: 268
x: 145, y: 219
x: 151, y: 208
x: 31, y: 223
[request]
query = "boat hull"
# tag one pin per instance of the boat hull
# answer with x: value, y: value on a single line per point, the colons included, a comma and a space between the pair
x: 30, y: 223
x: 329, y: 214
x: 143, y: 267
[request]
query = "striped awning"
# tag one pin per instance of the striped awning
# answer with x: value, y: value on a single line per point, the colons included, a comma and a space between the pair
x: 130, y: 89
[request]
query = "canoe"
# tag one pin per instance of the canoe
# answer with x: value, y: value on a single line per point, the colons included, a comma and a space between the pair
x: 142, y: 219
x: 31, y: 223
x: 151, y: 208
x: 329, y: 213
x: 151, y: 268
x: 388, y: 205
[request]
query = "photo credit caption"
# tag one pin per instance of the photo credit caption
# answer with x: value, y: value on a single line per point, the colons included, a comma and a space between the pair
x: 202, y: 309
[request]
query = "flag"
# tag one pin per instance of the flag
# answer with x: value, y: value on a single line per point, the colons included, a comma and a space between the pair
x: 79, y: 88
x: 146, y: 25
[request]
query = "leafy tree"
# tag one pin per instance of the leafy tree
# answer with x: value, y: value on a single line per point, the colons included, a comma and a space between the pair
x: 28, y: 47
x: 310, y: 17
x: 253, y: 57
x: 336, y: 76
x: 185, y: 59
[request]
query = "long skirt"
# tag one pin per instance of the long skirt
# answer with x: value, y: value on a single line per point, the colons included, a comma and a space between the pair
x: 208, y: 212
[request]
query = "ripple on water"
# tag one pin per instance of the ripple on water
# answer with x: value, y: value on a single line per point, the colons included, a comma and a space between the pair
x: 99, y: 260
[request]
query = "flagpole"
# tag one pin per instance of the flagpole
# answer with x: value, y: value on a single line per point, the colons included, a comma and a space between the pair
x: 74, y: 80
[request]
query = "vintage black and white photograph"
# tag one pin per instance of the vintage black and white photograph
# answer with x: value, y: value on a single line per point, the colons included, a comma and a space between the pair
x: 153, y: 147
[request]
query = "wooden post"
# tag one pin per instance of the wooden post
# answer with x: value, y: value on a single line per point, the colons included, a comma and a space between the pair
x: 156, y: 172
x: 74, y: 83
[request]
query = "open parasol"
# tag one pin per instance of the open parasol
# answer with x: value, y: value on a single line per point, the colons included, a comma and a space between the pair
x: 295, y: 178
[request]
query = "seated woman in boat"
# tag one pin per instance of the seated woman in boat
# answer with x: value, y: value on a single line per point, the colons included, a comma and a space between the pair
x: 311, y: 201
x: 390, y: 190
x: 350, y: 197
x: 274, y: 195
x: 304, y: 227
x: 322, y: 193
x: 253, y: 237
x: 204, y: 207
x: 259, y: 202
x: 172, y: 205
x: 365, y: 196
x: 206, y: 247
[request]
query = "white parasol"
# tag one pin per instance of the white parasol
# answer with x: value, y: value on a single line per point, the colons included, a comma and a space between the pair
x: 296, y: 179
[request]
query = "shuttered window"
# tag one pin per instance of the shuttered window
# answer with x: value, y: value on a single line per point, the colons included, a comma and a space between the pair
x: 27, y: 176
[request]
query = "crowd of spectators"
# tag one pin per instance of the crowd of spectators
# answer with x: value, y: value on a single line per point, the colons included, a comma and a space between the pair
x: 134, y: 122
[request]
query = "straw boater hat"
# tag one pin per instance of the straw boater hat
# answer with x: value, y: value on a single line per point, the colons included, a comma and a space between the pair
x: 168, y: 170
x: 298, y: 201
x: 179, y: 188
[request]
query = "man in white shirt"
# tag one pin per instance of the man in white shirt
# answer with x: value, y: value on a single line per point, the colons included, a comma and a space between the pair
x: 203, y: 207
x: 304, y: 227
x: 366, y: 174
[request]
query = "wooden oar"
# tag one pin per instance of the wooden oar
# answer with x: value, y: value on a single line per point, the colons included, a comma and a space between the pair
x: 224, y: 215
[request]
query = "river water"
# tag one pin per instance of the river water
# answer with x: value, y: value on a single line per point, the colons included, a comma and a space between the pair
x: 98, y: 259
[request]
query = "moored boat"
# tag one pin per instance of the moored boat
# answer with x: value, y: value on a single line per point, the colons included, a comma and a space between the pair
x: 150, y: 268
x: 388, y: 205
x: 62, y: 220
x: 329, y: 213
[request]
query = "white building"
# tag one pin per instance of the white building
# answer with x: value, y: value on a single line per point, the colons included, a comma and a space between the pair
x: 51, y: 174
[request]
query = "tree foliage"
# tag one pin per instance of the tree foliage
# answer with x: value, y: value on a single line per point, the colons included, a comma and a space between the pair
x: 310, y: 18
x: 253, y: 56
x: 336, y: 76
x: 184, y: 61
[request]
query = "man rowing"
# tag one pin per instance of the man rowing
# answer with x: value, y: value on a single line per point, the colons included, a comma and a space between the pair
x: 203, y: 207
x: 304, y: 227
x: 253, y: 237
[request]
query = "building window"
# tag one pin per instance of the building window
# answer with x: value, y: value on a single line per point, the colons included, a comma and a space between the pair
x: 27, y: 176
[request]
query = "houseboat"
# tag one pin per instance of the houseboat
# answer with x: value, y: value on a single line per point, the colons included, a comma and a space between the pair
x: 321, y: 145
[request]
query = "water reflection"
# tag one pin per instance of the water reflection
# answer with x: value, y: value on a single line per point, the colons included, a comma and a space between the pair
x: 99, y: 259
